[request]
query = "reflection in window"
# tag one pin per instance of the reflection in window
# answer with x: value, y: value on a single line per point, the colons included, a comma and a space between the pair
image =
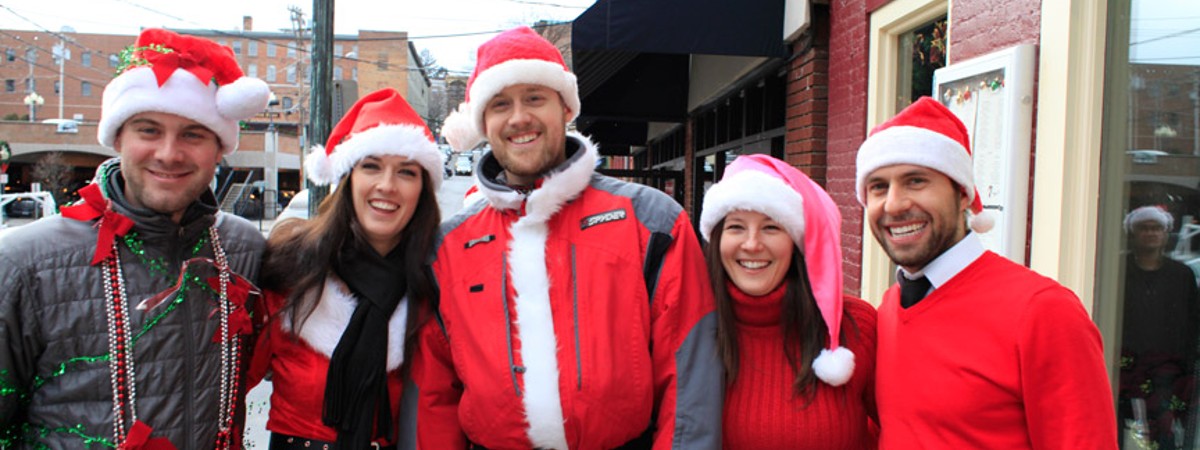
x: 1150, y: 203
x: 927, y: 53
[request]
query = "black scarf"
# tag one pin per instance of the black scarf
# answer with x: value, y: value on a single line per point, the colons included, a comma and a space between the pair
x: 356, y: 391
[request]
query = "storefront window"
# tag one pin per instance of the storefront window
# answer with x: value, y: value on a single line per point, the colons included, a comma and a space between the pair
x: 927, y: 53
x: 1149, y: 243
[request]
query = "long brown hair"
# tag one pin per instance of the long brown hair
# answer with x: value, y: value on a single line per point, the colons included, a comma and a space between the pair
x: 300, y: 253
x: 804, y: 331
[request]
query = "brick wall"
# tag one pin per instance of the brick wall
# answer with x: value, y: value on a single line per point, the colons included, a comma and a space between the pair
x: 807, y: 99
x: 979, y: 27
x: 377, y: 48
x: 848, y: 48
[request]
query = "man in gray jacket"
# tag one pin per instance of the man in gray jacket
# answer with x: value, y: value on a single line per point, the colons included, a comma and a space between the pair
x: 124, y: 321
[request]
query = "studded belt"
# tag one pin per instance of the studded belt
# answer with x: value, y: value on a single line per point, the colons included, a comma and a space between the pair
x: 286, y: 442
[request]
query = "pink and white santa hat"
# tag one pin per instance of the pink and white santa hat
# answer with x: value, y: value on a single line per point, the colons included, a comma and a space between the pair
x: 925, y: 134
x: 1157, y: 213
x: 381, y: 123
x: 516, y: 56
x: 185, y: 76
x: 769, y: 186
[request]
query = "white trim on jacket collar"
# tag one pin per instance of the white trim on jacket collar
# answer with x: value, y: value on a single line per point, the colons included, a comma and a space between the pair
x: 328, y: 321
x: 558, y: 188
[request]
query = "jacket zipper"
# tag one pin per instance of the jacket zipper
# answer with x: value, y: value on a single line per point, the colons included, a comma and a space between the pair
x: 189, y: 341
x: 575, y: 304
x: 514, y: 369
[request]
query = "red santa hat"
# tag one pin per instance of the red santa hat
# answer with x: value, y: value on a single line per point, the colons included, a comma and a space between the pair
x: 381, y: 123
x: 185, y: 76
x: 926, y: 134
x: 516, y: 56
x: 769, y: 186
x: 1156, y: 213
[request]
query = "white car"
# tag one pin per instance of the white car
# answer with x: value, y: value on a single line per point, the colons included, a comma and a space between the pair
x: 462, y: 165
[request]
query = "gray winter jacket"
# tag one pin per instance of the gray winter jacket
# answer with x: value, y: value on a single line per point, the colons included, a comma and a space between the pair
x: 55, y: 387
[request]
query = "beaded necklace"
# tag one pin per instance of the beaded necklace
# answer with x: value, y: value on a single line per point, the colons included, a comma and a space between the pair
x: 126, y: 426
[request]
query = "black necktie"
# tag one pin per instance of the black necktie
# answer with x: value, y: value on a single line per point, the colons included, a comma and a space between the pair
x: 912, y: 291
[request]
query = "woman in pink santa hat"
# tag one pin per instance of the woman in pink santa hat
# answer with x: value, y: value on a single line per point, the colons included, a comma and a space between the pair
x: 348, y: 288
x: 799, y: 355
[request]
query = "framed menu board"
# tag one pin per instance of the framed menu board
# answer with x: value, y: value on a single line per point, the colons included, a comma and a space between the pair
x: 993, y: 96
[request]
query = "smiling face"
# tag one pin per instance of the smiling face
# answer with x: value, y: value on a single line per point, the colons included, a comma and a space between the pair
x: 526, y: 127
x: 386, y: 191
x: 756, y: 251
x: 167, y: 161
x: 916, y: 213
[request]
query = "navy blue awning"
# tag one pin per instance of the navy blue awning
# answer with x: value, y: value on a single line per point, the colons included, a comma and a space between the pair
x: 681, y: 27
x: 632, y: 57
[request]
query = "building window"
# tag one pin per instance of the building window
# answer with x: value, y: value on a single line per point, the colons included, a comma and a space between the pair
x: 308, y: 75
x: 271, y: 73
x: 10, y: 54
x: 291, y: 74
x: 86, y: 59
x: 286, y: 103
x: 10, y: 85
x: 270, y: 49
x: 291, y: 53
x: 1148, y: 257
x: 928, y: 53
x: 30, y: 85
x: 237, y: 47
x: 337, y: 50
x: 252, y: 48
x: 252, y: 71
x: 57, y: 86
x: 337, y: 72
x: 31, y: 55
x: 85, y: 88
x: 113, y: 61
x: 354, y: 73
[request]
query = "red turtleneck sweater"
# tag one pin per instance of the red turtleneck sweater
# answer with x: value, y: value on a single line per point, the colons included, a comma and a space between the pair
x: 762, y: 410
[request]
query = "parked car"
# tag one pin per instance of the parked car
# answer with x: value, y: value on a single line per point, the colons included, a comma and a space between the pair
x: 463, y: 165
x: 21, y: 207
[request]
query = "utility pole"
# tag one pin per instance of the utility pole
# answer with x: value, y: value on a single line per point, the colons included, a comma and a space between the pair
x: 321, y: 87
x: 61, y: 55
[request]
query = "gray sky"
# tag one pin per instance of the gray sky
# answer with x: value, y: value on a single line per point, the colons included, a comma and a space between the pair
x: 1165, y: 32
x: 425, y: 20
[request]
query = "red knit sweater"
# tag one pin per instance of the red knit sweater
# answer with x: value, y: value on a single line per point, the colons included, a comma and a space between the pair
x: 761, y: 408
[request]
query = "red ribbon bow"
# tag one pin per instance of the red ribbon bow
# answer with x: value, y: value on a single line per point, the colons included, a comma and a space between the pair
x: 111, y: 225
x: 164, y: 64
x: 239, y: 291
x: 139, y: 439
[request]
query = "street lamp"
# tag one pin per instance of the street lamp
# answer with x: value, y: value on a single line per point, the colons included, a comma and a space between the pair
x: 34, y: 100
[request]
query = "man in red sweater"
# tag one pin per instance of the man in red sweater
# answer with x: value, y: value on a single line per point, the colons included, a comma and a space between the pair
x: 974, y: 351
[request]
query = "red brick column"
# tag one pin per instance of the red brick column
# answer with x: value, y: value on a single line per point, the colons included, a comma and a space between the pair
x: 808, y: 99
x: 847, y: 117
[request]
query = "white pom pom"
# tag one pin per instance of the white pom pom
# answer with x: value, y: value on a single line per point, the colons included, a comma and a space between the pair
x: 242, y: 99
x: 318, y: 167
x: 983, y: 222
x: 460, y: 130
x: 834, y: 366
